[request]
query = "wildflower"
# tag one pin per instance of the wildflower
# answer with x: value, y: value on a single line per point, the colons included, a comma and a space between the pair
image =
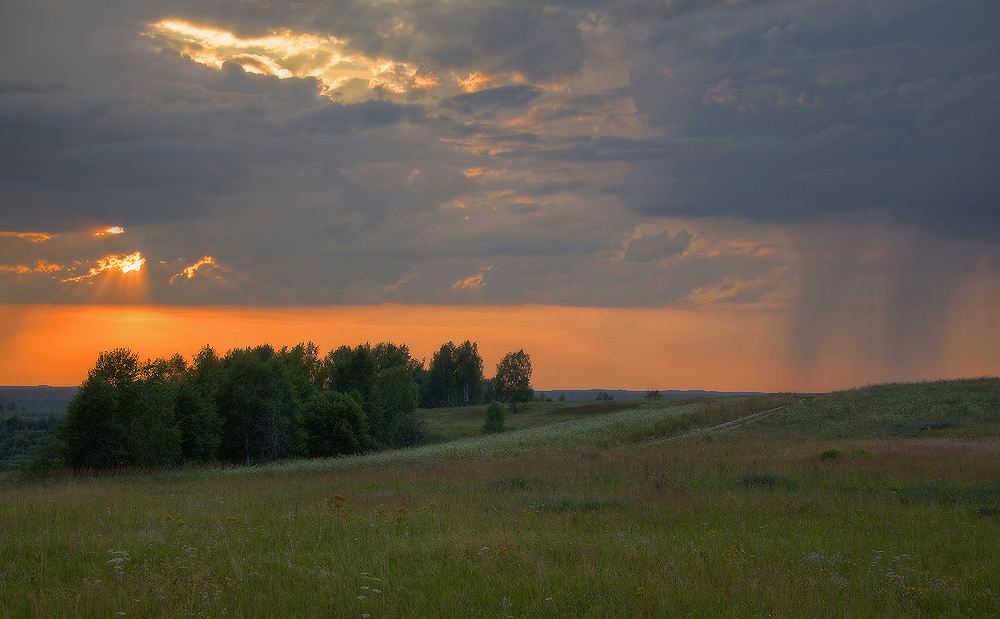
x: 335, y: 501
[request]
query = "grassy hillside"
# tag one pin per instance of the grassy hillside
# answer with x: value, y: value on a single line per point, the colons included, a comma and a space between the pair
x: 882, y: 501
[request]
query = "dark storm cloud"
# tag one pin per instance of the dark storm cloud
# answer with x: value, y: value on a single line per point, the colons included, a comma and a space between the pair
x: 493, y: 99
x: 586, y: 121
x: 536, y: 43
x: 82, y: 157
x: 806, y: 109
x: 340, y: 118
x: 606, y: 149
x: 7, y: 88
x: 555, y: 187
x: 69, y: 159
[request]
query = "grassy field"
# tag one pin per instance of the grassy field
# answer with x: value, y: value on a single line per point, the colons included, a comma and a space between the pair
x: 882, y: 501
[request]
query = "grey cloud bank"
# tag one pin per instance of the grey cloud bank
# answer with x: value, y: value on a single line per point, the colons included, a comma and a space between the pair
x: 577, y: 153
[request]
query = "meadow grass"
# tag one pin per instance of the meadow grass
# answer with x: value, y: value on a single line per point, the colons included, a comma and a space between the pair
x: 796, y: 514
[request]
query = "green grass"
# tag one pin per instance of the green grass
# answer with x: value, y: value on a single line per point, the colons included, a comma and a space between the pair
x: 967, y: 408
x: 838, y: 505
x: 449, y: 424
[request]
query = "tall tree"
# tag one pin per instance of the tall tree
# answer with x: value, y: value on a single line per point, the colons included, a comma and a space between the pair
x: 512, y: 382
x: 198, y: 412
x: 305, y: 368
x: 353, y: 371
x: 154, y: 437
x: 199, y: 424
x: 397, y: 399
x: 335, y: 425
x: 91, y: 434
x: 440, y: 383
x: 207, y: 374
x: 122, y: 416
x: 381, y: 377
x: 468, y: 374
x: 388, y: 355
x: 259, y: 407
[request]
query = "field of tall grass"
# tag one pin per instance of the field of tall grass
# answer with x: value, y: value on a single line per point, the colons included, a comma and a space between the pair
x: 882, y: 501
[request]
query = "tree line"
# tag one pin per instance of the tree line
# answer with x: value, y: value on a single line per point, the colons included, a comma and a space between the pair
x: 260, y: 404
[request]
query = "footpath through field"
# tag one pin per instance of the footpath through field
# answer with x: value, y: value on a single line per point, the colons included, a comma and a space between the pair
x: 722, y: 426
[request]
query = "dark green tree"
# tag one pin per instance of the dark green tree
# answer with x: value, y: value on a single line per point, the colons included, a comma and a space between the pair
x: 335, y: 425
x: 494, y: 418
x: 122, y: 416
x: 199, y: 423
x: 455, y: 376
x: 352, y: 369
x: 439, y: 384
x: 198, y: 413
x: 383, y: 378
x: 207, y: 374
x: 259, y: 408
x: 154, y: 437
x: 305, y: 368
x: 397, y: 400
x: 512, y: 382
x: 170, y: 371
x: 91, y: 435
x: 468, y: 374
x: 388, y: 355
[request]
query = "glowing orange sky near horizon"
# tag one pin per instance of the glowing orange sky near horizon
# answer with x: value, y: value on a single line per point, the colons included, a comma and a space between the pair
x: 724, y: 349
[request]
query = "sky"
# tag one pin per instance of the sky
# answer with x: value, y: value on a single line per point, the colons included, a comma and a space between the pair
x: 794, y: 195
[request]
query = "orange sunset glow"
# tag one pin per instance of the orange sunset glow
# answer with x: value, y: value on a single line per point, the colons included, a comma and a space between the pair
x: 570, y: 348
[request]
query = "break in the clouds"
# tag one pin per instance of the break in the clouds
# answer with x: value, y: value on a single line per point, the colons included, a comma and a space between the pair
x: 573, y: 153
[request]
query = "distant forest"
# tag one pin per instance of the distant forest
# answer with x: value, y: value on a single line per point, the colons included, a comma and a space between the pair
x: 260, y: 404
